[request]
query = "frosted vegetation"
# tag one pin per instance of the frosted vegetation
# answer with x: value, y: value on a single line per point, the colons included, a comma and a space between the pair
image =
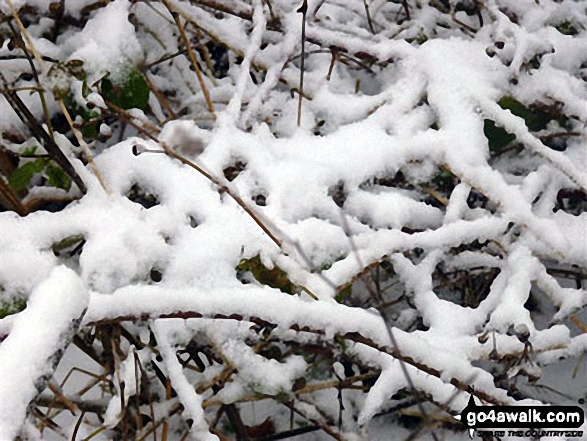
x: 194, y: 242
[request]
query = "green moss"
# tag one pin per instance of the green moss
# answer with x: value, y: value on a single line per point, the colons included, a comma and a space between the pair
x: 567, y: 28
x: 12, y: 306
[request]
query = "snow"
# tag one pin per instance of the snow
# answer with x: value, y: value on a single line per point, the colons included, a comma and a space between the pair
x: 127, y: 378
x: 32, y: 348
x: 123, y: 49
x: 190, y: 400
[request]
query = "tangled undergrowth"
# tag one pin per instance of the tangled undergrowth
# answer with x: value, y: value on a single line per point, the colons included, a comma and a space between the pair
x: 260, y: 219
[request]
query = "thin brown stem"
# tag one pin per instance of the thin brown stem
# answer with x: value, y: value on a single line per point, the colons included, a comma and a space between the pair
x: 41, y: 135
x: 171, y: 153
x: 10, y: 200
x: 222, y: 187
x: 192, y: 56
x: 84, y: 147
x: 368, y: 14
x: 160, y: 97
x: 332, y: 61
x: 325, y: 427
x: 406, y: 9
x: 25, y: 49
x: 303, y: 10
x: 163, y: 59
x: 77, y: 426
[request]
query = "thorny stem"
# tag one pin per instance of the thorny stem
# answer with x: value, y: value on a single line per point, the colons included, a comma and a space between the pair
x: 246, y: 14
x: 389, y: 330
x: 350, y: 336
x: 404, y: 369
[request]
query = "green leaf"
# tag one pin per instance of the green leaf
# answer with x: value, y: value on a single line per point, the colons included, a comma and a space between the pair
x: 90, y: 131
x: 422, y: 38
x: 30, y: 151
x: 131, y: 93
x: 497, y: 137
x: 56, y: 177
x: 67, y: 242
x: 11, y: 306
x: 344, y: 294
x: 535, y: 119
x: 85, y: 89
x: 75, y: 109
x: 275, y: 278
x: 21, y: 178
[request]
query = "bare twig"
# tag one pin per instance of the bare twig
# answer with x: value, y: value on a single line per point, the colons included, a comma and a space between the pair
x: 303, y: 10
x: 84, y: 147
x: 39, y: 133
x: 368, y: 16
x: 10, y: 200
x: 191, y: 56
x: 77, y: 426
x: 325, y: 427
x: 332, y: 61
x: 406, y: 9
x: 25, y: 48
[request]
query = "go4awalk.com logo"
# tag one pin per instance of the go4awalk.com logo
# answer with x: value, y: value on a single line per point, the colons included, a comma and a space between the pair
x: 528, y: 421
